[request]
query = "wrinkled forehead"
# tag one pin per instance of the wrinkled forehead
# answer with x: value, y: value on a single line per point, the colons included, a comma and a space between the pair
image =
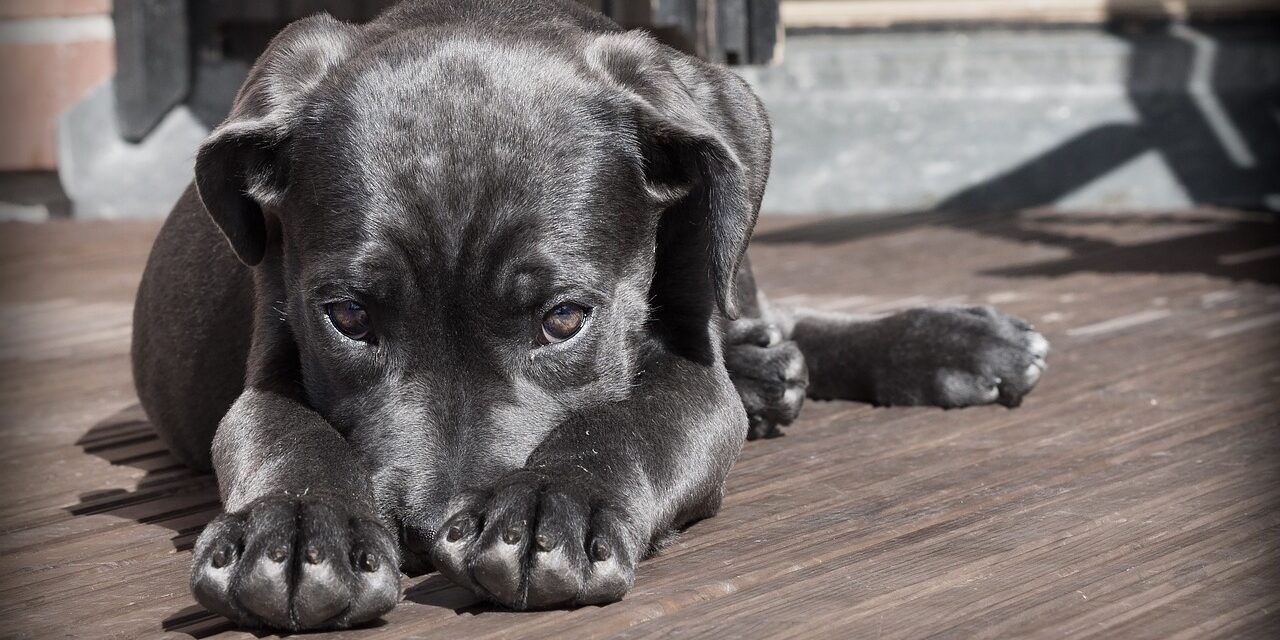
x: 465, y: 126
x: 471, y: 151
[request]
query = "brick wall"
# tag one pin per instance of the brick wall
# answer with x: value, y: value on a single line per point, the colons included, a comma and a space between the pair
x: 51, y: 53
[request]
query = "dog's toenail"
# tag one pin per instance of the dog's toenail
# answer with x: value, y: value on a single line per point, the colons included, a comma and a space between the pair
x: 512, y: 535
x: 369, y: 562
x: 545, y: 543
x: 279, y: 553
x: 222, y: 556
x: 600, y: 550
x: 314, y: 556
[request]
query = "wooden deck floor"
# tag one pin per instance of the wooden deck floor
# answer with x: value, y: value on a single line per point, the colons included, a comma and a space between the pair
x: 1134, y: 495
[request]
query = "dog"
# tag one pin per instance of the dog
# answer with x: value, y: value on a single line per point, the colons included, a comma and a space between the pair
x: 464, y: 289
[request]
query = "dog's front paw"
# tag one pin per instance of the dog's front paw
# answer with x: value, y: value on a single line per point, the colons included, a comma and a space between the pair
x: 769, y: 374
x: 296, y: 564
x: 534, y: 542
x: 958, y: 357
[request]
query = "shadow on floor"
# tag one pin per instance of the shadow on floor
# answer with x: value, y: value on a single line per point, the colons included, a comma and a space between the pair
x: 438, y: 591
x: 169, y: 495
x: 434, y: 591
x: 1238, y: 248
x: 197, y: 622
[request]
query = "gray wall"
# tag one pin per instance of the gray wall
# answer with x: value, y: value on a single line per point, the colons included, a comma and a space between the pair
x: 992, y: 118
x: 975, y: 119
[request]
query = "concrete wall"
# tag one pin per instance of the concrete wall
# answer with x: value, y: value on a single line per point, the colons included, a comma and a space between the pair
x: 1160, y: 117
x: 887, y: 13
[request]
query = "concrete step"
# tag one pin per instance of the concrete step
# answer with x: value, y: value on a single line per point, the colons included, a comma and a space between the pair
x: 1155, y: 117
x: 965, y: 118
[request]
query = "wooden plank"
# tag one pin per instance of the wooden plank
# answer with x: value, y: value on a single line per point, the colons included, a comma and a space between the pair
x: 1135, y: 494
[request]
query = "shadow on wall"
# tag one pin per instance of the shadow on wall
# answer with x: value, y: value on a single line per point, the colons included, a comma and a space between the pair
x: 1218, y: 133
x: 1197, y: 107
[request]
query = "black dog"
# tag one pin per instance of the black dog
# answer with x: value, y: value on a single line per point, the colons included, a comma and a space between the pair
x: 495, y: 252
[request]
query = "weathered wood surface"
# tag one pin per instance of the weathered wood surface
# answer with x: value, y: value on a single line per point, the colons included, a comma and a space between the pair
x: 1135, y: 494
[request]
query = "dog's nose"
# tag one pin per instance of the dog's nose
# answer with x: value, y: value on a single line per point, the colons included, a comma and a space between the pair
x: 415, y: 550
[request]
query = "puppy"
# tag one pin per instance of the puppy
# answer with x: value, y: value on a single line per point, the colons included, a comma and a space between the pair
x: 464, y: 289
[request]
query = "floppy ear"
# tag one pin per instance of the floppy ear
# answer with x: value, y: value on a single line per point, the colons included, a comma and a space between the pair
x: 705, y: 142
x: 241, y: 168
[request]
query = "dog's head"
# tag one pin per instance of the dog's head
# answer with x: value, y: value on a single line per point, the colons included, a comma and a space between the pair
x: 468, y: 238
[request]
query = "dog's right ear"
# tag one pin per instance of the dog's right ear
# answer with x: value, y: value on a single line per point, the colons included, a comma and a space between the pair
x: 242, y: 168
x: 705, y: 144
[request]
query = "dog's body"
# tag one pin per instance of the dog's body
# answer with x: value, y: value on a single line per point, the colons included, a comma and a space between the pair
x: 494, y: 251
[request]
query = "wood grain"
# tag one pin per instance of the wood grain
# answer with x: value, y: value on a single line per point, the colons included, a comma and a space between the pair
x: 1135, y: 494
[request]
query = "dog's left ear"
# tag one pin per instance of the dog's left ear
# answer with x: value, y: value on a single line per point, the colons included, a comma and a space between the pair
x: 705, y: 143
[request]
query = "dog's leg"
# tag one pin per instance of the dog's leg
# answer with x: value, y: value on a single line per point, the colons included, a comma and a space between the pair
x: 942, y: 356
x: 300, y: 545
x: 593, y: 497
x: 946, y: 356
x: 767, y: 368
x: 769, y: 372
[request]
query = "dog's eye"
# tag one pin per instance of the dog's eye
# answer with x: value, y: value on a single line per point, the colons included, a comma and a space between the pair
x: 562, y: 322
x: 349, y: 318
